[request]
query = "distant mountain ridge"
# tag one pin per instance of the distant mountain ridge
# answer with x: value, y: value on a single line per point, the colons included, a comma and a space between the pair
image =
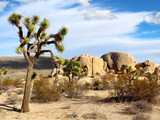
x: 20, y: 63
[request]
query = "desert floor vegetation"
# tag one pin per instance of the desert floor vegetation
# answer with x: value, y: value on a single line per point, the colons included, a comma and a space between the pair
x: 49, y: 95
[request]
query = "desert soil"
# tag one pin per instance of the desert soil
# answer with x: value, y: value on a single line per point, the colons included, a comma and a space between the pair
x: 87, y: 108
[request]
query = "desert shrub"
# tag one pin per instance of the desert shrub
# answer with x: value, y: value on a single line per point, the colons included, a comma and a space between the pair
x: 141, y: 117
x: 136, y: 89
x: 137, y: 107
x: 45, y: 90
x: 94, y: 115
x: 130, y: 110
x: 14, y: 82
x: 143, y: 106
x: 108, y: 81
x: 92, y: 76
x: 73, y: 70
x: 73, y: 115
x: 74, y: 89
x: 97, y: 84
x: 13, y: 99
x: 105, y: 82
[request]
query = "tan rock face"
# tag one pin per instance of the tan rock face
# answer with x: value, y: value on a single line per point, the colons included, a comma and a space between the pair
x: 147, y: 67
x: 98, y: 65
x: 95, y: 65
x: 115, y: 60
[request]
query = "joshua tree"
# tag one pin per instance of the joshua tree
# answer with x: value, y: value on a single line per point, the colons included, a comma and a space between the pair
x: 59, y: 64
x: 27, y: 48
x: 73, y: 70
x: 3, y: 71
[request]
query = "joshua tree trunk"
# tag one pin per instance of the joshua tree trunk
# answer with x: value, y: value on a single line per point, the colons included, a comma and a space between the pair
x: 26, y: 97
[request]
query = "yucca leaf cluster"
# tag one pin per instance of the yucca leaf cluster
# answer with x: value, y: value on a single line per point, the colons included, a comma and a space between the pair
x: 74, y: 69
x: 14, y: 18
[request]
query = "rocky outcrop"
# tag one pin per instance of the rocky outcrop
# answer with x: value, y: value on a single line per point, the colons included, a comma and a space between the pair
x: 147, y: 67
x: 119, y: 60
x: 95, y: 65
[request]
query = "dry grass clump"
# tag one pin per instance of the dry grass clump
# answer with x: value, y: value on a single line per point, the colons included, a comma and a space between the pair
x: 143, y: 106
x: 74, y: 89
x: 72, y: 116
x: 13, y: 99
x: 9, y: 82
x: 94, y: 115
x: 3, y: 89
x: 141, y: 117
x: 137, y: 107
x: 45, y: 90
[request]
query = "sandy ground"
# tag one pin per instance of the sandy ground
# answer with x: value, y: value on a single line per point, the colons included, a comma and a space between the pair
x: 86, y: 108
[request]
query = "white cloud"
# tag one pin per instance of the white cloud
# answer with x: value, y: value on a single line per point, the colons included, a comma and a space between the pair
x: 3, y: 4
x: 153, y: 18
x: 99, y: 14
x: 85, y: 36
x: 84, y: 2
x: 28, y: 0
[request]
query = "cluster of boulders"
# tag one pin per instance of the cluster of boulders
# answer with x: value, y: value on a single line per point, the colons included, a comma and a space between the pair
x: 115, y: 62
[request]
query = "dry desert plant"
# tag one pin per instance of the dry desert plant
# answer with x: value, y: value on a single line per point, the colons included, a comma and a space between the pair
x: 74, y: 89
x: 137, y: 107
x: 94, y: 115
x: 141, y: 117
x: 13, y: 99
x: 45, y: 90
x: 13, y: 82
x: 136, y: 89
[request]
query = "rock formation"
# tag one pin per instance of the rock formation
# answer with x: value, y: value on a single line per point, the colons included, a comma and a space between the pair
x: 147, y: 67
x: 117, y: 60
x: 95, y: 65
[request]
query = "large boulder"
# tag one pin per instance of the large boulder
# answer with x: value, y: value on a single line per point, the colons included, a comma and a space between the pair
x: 147, y: 67
x: 119, y: 60
x: 95, y: 65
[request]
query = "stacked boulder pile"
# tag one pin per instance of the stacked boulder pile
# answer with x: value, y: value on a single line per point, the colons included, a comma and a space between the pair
x: 115, y: 62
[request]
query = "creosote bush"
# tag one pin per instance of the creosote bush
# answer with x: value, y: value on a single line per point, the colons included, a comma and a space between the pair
x: 74, y: 89
x: 9, y: 82
x: 134, y: 89
x: 46, y: 90
x: 73, y: 70
x: 104, y: 83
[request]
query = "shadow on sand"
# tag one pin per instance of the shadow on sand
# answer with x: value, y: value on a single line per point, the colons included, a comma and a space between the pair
x: 9, y: 108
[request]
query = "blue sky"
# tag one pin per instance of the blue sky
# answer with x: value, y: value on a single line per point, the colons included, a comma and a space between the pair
x: 95, y: 26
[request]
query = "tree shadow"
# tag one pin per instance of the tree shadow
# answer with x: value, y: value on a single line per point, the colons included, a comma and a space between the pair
x: 9, y: 108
